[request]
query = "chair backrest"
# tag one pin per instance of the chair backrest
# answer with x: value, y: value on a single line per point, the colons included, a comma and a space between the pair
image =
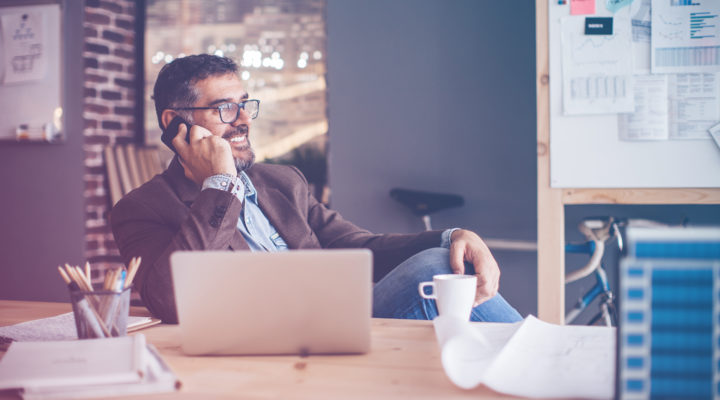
x: 129, y: 166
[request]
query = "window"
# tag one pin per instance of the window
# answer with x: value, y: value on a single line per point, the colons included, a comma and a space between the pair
x: 279, y: 46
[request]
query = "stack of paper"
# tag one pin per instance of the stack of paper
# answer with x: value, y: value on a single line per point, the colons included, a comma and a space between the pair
x: 59, y: 327
x: 85, y: 368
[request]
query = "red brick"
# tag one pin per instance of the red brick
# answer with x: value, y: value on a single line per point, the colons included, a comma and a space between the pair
x: 90, y: 32
x: 130, y: 9
x: 110, y: 95
x: 124, y: 111
x: 124, y: 82
x: 95, y: 78
x: 96, y: 108
x: 97, y: 139
x: 90, y: 123
x: 129, y: 55
x: 97, y: 48
x: 95, y: 18
x: 111, y: 6
x: 111, y: 125
x: 114, y: 36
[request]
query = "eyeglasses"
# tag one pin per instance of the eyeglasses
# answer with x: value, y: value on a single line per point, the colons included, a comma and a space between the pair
x: 230, y: 112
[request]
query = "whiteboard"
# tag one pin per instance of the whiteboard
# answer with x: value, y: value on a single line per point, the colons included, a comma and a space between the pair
x: 35, y: 102
x: 586, y: 152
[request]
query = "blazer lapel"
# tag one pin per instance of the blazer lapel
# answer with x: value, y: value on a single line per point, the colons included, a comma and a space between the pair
x: 187, y: 191
x: 279, y: 211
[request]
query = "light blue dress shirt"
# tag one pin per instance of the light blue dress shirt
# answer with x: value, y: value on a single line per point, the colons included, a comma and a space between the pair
x: 257, y: 230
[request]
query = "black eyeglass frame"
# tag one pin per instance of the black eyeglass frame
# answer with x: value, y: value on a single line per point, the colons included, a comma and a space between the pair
x: 241, y: 106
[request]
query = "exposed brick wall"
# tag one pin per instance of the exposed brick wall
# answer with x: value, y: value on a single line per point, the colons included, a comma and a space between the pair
x: 110, y: 68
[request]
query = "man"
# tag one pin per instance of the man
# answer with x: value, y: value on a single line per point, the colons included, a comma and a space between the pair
x: 214, y: 197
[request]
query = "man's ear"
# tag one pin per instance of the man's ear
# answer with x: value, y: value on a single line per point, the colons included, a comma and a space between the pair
x: 167, y: 116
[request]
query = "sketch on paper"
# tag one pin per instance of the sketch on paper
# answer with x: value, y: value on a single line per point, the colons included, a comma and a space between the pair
x: 597, y: 69
x: 23, y: 50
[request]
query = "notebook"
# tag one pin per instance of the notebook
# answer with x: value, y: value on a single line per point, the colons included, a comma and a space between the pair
x: 293, y: 302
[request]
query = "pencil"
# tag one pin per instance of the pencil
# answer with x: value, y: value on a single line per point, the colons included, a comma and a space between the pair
x: 73, y: 273
x: 84, y: 278
x: 65, y: 277
x: 87, y: 271
x: 132, y: 270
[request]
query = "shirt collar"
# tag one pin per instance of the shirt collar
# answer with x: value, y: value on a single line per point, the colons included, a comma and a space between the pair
x: 250, y: 192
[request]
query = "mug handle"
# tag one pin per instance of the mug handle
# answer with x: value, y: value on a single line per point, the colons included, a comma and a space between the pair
x: 421, y: 288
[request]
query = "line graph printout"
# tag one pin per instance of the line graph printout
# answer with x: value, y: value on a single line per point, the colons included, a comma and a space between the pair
x: 597, y: 69
x: 685, y: 36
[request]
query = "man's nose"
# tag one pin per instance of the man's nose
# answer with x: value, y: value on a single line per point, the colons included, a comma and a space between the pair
x: 242, y: 119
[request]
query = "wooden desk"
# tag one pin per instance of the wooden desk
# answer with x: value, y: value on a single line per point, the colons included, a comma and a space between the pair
x: 404, y: 363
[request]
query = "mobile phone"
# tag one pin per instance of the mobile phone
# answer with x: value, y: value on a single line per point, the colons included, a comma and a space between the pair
x: 171, y: 131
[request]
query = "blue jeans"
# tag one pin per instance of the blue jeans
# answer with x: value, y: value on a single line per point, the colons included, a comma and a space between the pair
x: 397, y: 296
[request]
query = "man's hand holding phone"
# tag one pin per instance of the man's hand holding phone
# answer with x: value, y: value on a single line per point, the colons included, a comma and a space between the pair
x: 205, y: 155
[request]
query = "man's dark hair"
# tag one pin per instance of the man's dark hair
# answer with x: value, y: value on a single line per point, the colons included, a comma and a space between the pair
x: 174, y: 84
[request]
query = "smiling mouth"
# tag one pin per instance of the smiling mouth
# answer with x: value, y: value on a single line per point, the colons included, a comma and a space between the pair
x: 239, y: 137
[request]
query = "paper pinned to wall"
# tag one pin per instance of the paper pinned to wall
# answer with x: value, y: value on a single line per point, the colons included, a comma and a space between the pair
x: 23, y: 52
x: 641, y: 35
x: 650, y: 119
x: 685, y: 36
x: 694, y: 105
x: 615, y: 5
x: 579, y: 7
x: 597, y: 69
x: 549, y: 360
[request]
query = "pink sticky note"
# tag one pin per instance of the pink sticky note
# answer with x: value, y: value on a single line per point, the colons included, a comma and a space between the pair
x: 578, y: 7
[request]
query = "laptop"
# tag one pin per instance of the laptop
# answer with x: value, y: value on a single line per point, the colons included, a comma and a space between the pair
x: 293, y: 302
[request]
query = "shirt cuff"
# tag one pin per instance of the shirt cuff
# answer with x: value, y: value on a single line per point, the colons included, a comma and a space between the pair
x: 226, y: 183
x: 445, y: 237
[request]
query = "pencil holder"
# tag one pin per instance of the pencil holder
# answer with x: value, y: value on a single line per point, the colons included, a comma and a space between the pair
x: 102, y: 313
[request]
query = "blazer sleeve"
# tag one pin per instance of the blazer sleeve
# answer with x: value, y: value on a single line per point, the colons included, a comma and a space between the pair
x: 155, y: 224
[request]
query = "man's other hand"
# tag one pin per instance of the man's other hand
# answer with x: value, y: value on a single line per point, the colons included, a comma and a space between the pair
x: 466, y: 246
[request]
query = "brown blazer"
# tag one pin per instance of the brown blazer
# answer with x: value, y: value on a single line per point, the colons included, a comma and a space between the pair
x: 170, y: 213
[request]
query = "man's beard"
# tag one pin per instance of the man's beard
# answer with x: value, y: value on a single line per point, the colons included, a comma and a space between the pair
x: 241, y: 164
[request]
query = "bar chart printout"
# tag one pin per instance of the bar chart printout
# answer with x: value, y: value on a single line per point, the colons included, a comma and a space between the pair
x: 685, y: 36
x: 670, y: 315
x: 675, y: 3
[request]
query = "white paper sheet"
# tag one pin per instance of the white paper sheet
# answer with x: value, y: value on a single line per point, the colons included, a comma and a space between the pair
x: 641, y: 34
x: 597, y: 69
x: 694, y: 105
x: 23, y: 48
x: 530, y: 358
x: 685, y: 36
x: 650, y: 119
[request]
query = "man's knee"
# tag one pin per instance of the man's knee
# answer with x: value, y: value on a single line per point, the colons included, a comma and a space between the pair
x: 426, y: 264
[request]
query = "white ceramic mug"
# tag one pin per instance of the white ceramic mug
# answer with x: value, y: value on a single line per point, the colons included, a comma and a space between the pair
x: 453, y: 293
